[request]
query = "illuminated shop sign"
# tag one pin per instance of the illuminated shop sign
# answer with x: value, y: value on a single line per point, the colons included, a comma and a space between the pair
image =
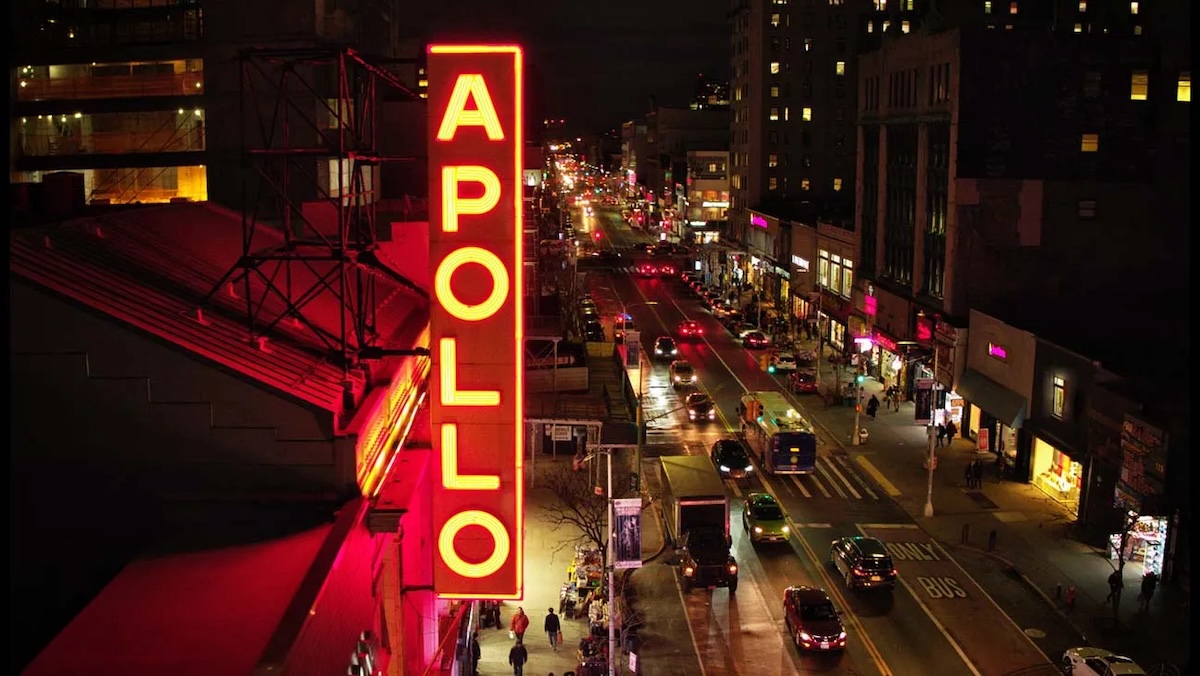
x: 475, y: 319
x: 715, y: 205
x: 997, y: 351
x: 758, y: 221
x: 801, y: 263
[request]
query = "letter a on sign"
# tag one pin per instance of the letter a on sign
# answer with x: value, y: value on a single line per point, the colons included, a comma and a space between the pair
x: 475, y: 320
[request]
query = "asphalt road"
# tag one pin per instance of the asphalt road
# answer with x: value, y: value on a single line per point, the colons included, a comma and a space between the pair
x: 937, y: 621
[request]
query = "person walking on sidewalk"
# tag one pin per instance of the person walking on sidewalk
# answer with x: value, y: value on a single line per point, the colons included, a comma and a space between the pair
x: 1149, y: 584
x: 517, y: 657
x: 1115, y: 585
x: 941, y: 434
x: 518, y: 625
x: 476, y: 653
x: 951, y: 430
x: 872, y: 407
x: 552, y: 627
x: 977, y: 470
x: 969, y: 474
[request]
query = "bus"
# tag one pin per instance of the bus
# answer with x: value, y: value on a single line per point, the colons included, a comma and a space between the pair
x: 783, y: 440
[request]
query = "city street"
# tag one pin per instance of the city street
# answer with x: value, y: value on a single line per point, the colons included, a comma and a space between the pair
x: 937, y: 620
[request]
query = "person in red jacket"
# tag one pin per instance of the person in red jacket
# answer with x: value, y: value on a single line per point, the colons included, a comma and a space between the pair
x: 519, y: 623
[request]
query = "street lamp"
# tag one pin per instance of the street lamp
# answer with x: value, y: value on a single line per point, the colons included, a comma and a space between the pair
x: 608, y: 559
x: 639, y: 413
x: 931, y: 461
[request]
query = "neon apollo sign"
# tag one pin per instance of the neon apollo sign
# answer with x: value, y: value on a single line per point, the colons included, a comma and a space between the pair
x: 475, y: 152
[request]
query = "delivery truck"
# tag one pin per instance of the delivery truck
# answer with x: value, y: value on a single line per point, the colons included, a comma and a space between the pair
x: 696, y: 511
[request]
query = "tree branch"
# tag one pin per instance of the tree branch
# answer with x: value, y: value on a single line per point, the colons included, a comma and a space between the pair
x: 577, y: 505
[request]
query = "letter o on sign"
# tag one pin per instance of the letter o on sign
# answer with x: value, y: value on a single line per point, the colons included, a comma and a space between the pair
x: 459, y: 258
x: 473, y: 518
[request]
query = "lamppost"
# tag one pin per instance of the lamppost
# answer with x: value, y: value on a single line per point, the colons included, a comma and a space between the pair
x: 931, y: 461
x: 608, y: 559
x: 637, y: 468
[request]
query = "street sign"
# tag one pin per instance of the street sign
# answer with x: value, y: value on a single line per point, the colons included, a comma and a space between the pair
x: 561, y: 433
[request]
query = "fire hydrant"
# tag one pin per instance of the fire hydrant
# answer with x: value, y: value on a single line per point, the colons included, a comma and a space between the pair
x: 1070, y: 598
x: 862, y: 436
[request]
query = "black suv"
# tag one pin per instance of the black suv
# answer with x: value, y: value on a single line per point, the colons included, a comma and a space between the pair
x: 705, y: 561
x: 863, y: 562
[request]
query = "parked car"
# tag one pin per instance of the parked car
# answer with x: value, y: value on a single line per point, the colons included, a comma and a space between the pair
x: 665, y: 348
x: 589, y: 314
x: 681, y: 373
x: 731, y: 459
x: 803, y: 381
x: 624, y: 323
x: 782, y: 361
x: 1097, y: 662
x: 593, y: 332
x: 863, y: 562
x: 690, y: 328
x: 811, y: 619
x: 743, y: 329
x: 764, y: 519
x: 755, y: 340
x: 700, y: 407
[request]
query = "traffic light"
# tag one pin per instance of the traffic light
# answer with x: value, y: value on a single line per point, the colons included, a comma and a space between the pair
x: 860, y: 379
x: 596, y: 234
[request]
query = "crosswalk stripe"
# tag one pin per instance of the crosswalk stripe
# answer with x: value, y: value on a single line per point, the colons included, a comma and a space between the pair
x: 796, y: 480
x: 833, y: 467
x: 823, y: 469
x: 845, y: 463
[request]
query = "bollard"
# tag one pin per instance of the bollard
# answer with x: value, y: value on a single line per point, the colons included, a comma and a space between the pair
x: 991, y: 541
x: 966, y: 533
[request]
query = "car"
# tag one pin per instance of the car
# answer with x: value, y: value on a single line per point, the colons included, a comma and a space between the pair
x: 681, y: 373
x: 710, y: 299
x: 644, y: 246
x: 609, y: 256
x: 691, y: 329
x: 782, y: 361
x: 647, y: 269
x: 863, y: 562
x: 722, y: 309
x: 755, y: 340
x: 665, y: 347
x: 589, y: 314
x: 730, y: 457
x: 812, y: 621
x: 764, y: 519
x: 689, y: 277
x: 743, y: 328
x: 622, y: 324
x: 1089, y: 661
x: 593, y: 332
x: 700, y: 407
x: 667, y: 270
x: 803, y: 381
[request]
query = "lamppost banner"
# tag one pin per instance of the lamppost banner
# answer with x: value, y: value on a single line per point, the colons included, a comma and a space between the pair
x: 627, y: 522
x: 923, y: 398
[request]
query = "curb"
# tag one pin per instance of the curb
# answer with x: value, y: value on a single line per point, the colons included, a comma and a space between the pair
x: 663, y: 547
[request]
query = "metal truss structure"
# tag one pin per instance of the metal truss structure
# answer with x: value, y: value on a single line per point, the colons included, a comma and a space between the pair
x: 306, y: 113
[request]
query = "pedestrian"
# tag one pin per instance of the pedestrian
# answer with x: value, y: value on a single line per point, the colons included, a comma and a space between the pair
x: 517, y: 657
x: 978, y: 465
x: 872, y: 406
x: 518, y: 625
x: 941, y: 434
x: 1000, y: 466
x: 1115, y: 585
x: 1149, y: 584
x: 553, y: 628
x: 476, y: 653
x: 951, y: 431
x: 969, y: 474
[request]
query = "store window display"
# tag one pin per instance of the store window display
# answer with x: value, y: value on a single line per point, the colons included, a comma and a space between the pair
x: 1145, y: 545
x: 1057, y: 475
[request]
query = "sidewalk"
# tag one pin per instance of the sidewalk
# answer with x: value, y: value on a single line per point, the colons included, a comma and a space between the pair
x: 1032, y: 533
x: 548, y: 552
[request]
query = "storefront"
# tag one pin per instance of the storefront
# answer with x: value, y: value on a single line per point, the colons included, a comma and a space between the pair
x: 994, y: 416
x: 1146, y: 543
x: 1057, y: 475
x: 831, y: 318
x: 997, y: 384
x: 884, y: 360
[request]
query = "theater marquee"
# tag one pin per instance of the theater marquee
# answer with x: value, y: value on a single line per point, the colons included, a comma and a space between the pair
x: 475, y: 208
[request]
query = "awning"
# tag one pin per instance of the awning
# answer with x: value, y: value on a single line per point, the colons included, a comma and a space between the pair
x: 997, y: 400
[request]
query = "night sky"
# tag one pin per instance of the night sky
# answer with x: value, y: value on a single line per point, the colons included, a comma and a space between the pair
x: 599, y: 61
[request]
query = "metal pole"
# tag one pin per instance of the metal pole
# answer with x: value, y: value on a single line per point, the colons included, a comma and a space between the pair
x: 820, y: 336
x: 858, y: 392
x: 932, y: 449
x: 612, y: 607
x: 641, y: 418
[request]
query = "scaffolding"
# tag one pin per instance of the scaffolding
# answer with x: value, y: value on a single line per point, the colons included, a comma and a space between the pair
x: 307, y: 113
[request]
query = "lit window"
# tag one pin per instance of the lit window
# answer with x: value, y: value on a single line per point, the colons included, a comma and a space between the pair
x: 870, y: 26
x: 1183, y: 92
x: 774, y: 114
x: 847, y: 278
x: 785, y: 114
x: 808, y: 44
x: 774, y: 91
x: 880, y: 5
x: 840, y: 68
x: 908, y: 4
x: 774, y: 67
x: 987, y: 7
x: 1133, y: 8
x: 775, y: 20
x: 1078, y: 28
x: 806, y: 114
x: 1083, y: 5
x: 804, y: 184
x: 1060, y: 397
x: 837, y: 184
x: 772, y: 183
x: 1137, y: 30
x: 904, y: 26
x: 1012, y: 8
x: 772, y: 160
x: 1087, y: 209
x: 1008, y: 26
x: 1090, y: 143
x: 1138, y: 86
x: 883, y: 28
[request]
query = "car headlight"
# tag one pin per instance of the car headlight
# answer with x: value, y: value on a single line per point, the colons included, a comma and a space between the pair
x: 786, y: 530
x: 749, y: 468
x: 657, y: 351
x: 712, y: 415
x: 841, y: 635
x: 692, y: 415
x: 724, y: 468
x: 758, y: 530
x: 674, y: 351
x: 805, y: 636
x: 676, y: 378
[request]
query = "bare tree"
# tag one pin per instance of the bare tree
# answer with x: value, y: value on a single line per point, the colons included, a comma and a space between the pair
x: 580, y: 504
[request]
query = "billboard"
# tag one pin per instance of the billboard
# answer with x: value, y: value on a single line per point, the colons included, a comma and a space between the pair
x: 475, y: 319
x: 627, y: 521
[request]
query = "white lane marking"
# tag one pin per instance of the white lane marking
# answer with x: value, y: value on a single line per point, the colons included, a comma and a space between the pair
x: 814, y: 525
x: 887, y: 486
x: 733, y: 485
x: 928, y: 613
x: 910, y: 526
x: 817, y: 482
x: 823, y: 471
x: 833, y: 467
x: 850, y: 473
x: 796, y: 480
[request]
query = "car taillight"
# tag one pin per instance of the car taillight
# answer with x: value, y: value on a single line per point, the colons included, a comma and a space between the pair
x: 860, y: 572
x: 733, y: 568
x: 688, y: 570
